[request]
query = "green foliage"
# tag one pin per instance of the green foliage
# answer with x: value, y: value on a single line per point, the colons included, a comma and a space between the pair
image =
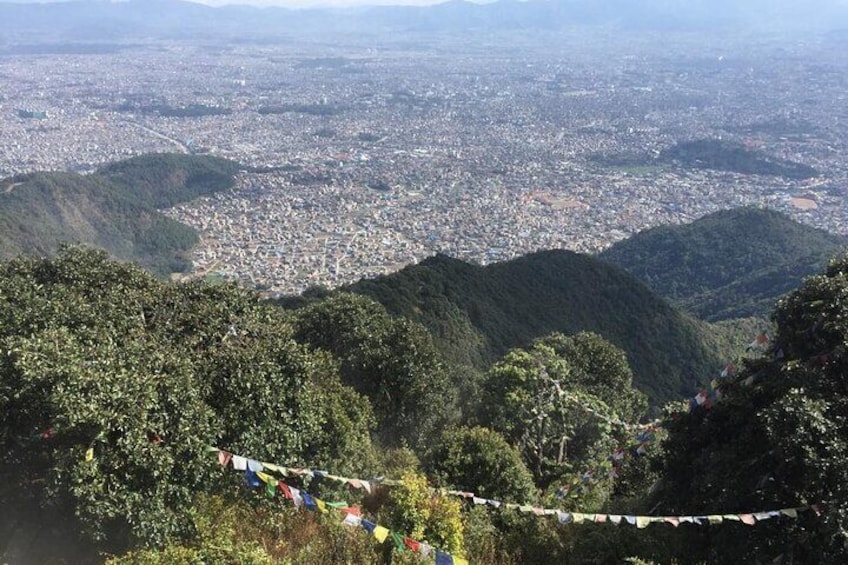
x: 529, y: 398
x: 392, y: 361
x: 481, y: 461
x: 115, y: 209
x: 600, y: 369
x: 777, y: 443
x: 430, y: 518
x: 729, y: 264
x: 231, y: 530
x: 476, y: 314
x: 96, y: 355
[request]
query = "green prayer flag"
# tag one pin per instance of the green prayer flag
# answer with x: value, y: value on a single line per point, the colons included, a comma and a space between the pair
x: 398, y: 539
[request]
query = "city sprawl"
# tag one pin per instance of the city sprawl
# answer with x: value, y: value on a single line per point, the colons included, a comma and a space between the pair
x: 364, y: 157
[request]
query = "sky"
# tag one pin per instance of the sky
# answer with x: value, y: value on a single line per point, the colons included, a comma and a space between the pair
x: 283, y: 3
x: 304, y: 3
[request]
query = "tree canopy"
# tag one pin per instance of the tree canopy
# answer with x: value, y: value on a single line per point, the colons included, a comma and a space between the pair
x: 114, y: 385
x: 776, y: 439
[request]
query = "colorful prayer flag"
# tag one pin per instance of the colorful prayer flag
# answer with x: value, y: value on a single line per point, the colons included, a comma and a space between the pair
x: 412, y: 544
x: 398, y: 541
x: 284, y: 488
x: 251, y: 480
x: 381, y: 533
x: 309, y: 502
x: 352, y: 520
x: 443, y: 558
x: 297, y: 498
x: 239, y: 463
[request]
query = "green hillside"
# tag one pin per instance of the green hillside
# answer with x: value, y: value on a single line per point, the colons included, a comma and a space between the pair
x: 115, y: 209
x: 478, y: 313
x: 730, y: 264
x: 724, y: 155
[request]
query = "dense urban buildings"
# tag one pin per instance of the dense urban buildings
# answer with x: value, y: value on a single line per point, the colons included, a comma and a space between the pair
x: 362, y: 158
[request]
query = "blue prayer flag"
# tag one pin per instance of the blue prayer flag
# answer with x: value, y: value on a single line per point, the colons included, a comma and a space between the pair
x: 443, y: 558
x: 251, y: 479
x: 369, y: 526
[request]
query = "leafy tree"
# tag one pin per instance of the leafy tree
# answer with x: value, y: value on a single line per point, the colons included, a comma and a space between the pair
x: 391, y: 361
x: 529, y: 397
x: 113, y: 385
x: 100, y: 416
x: 777, y: 441
x: 600, y: 369
x: 426, y: 516
x: 480, y: 460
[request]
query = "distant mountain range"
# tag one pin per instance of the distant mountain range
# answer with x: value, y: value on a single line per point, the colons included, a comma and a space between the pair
x: 730, y: 264
x: 91, y: 20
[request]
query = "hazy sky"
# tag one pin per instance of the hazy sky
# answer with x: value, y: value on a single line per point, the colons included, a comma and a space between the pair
x: 283, y: 3
x: 306, y: 3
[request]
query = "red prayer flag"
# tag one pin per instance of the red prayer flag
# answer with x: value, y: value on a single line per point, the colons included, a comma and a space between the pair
x: 412, y: 544
x: 224, y: 457
x: 284, y: 488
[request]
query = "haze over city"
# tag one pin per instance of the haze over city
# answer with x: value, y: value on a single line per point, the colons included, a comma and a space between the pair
x: 481, y: 132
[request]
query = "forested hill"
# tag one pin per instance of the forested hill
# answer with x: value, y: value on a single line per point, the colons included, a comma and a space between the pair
x: 730, y: 264
x: 478, y: 313
x: 115, y: 209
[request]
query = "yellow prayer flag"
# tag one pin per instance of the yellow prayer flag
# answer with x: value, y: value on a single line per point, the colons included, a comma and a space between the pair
x: 714, y: 519
x: 381, y: 533
x: 577, y: 517
x: 790, y: 512
x: 271, y: 467
x: 459, y: 560
x: 642, y: 521
x: 266, y: 478
x: 89, y: 454
x: 322, y: 506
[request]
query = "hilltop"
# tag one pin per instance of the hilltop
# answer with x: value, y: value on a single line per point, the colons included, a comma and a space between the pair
x: 721, y: 155
x: 115, y: 209
x: 477, y: 313
x: 730, y: 264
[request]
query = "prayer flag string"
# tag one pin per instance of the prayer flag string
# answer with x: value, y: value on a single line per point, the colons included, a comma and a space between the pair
x: 255, y: 475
